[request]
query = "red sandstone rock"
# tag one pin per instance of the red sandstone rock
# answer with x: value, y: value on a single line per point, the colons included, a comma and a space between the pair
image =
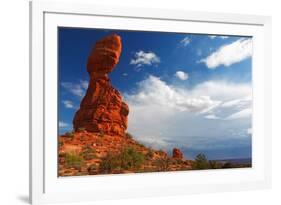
x: 104, y: 56
x: 177, y: 154
x: 102, y: 109
x: 93, y: 150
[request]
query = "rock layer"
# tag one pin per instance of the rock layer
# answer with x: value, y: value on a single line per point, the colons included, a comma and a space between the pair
x: 102, y: 109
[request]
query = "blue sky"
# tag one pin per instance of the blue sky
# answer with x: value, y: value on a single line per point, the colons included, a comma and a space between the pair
x: 186, y: 90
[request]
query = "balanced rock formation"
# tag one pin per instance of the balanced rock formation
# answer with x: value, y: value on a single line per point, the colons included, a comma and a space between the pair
x: 102, y: 109
x: 177, y: 154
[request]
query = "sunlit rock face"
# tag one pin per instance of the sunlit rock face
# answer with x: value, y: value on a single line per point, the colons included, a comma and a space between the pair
x: 102, y: 109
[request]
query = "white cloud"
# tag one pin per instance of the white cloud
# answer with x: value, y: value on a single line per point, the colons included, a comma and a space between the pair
x: 157, y: 92
x: 63, y: 124
x: 161, y: 112
x: 245, y: 113
x: 238, y: 102
x: 223, y: 90
x: 185, y: 41
x: 84, y: 84
x: 153, y: 141
x: 181, y: 75
x: 224, y: 37
x: 249, y: 131
x: 144, y: 58
x: 229, y: 54
x: 212, y: 117
x: 77, y: 89
x: 199, y: 52
x: 68, y: 103
x: 217, y: 36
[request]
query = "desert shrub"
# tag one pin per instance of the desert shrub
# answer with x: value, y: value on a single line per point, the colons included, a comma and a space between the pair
x: 62, y: 154
x: 227, y: 165
x: 131, y: 159
x: 93, y: 169
x: 61, y: 143
x: 129, y: 135
x: 101, y: 134
x: 141, y: 145
x: 82, y: 138
x: 149, y: 154
x: 201, y: 162
x: 88, y: 152
x: 214, y: 164
x: 69, y: 134
x: 81, y: 129
x: 178, y: 161
x: 162, y: 152
x: 89, y: 156
x: 109, y: 163
x: 163, y: 164
x: 128, y: 159
x: 74, y: 160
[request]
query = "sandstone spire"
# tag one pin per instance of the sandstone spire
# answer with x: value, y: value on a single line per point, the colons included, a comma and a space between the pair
x: 102, y: 109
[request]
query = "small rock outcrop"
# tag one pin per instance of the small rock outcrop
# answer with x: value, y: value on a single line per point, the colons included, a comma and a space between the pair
x: 102, y: 109
x: 177, y: 154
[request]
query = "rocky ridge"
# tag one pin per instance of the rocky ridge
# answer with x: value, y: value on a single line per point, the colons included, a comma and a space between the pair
x: 86, y: 153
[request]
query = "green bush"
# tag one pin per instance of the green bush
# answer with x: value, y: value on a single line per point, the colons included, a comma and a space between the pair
x: 162, y: 152
x: 109, y: 163
x: 93, y: 169
x: 201, y: 162
x: 128, y: 159
x: 82, y: 138
x: 81, y: 129
x: 141, y: 145
x: 61, y: 143
x: 74, y: 160
x: 149, y: 154
x: 163, y: 164
x: 131, y: 159
x: 62, y: 154
x: 214, y: 164
x: 228, y: 165
x: 88, y: 152
x: 129, y: 135
x: 101, y: 134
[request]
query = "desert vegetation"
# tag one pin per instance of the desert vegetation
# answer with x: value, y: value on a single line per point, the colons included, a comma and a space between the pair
x: 128, y: 159
x: 73, y: 160
x: 201, y: 162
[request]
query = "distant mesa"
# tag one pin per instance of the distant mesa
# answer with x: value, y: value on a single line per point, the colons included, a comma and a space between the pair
x: 102, y: 108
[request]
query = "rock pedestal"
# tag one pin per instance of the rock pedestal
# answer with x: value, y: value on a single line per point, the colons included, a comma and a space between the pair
x: 102, y: 109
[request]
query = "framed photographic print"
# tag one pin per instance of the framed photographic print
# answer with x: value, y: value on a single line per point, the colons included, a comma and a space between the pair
x: 123, y: 96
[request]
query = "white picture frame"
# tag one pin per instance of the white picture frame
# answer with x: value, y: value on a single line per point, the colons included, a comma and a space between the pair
x: 46, y: 187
